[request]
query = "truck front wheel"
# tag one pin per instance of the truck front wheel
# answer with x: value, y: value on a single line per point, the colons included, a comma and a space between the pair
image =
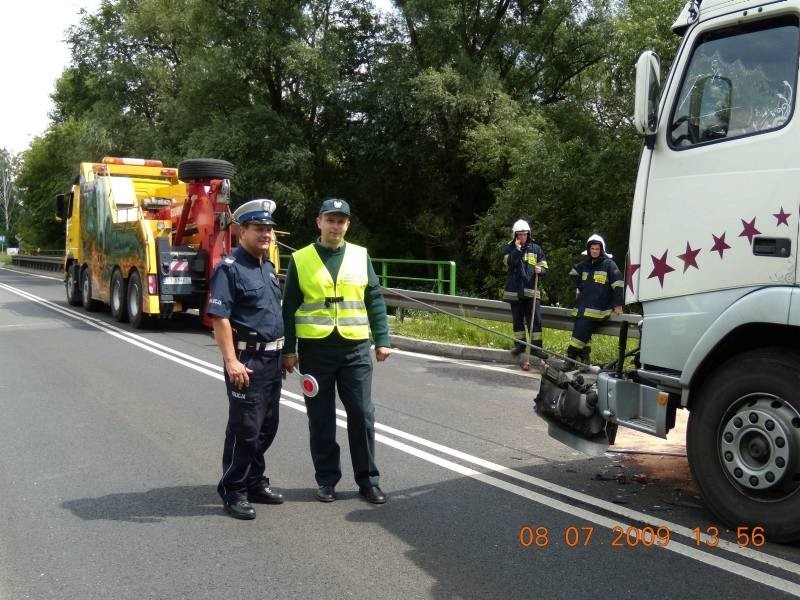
x: 73, y: 286
x: 86, y: 292
x: 743, y: 442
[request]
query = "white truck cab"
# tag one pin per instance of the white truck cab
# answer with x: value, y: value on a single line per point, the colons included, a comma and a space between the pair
x: 713, y: 262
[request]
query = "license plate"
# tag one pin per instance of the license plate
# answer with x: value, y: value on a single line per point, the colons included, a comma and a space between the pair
x: 177, y: 281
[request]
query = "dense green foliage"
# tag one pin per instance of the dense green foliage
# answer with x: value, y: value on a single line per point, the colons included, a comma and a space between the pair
x: 442, y: 122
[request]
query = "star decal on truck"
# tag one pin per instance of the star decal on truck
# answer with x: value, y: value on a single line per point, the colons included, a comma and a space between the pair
x: 783, y: 218
x: 719, y: 244
x: 660, y: 268
x: 689, y: 257
x: 630, y: 271
x: 749, y: 230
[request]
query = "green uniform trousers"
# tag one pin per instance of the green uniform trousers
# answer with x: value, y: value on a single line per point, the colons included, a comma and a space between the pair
x: 347, y: 367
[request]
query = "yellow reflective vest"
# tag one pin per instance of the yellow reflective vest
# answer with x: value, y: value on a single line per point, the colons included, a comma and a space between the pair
x: 328, y: 305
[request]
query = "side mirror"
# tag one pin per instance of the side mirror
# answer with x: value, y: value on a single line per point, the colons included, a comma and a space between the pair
x: 648, y: 88
x: 710, y: 108
x: 60, y: 204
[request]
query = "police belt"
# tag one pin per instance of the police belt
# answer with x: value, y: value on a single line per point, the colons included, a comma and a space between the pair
x: 260, y: 346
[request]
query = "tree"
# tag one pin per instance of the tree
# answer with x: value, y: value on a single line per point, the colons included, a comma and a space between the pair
x: 441, y: 124
x: 8, y: 191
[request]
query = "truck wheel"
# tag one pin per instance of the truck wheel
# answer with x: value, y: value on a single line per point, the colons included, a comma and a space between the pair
x: 743, y: 442
x: 204, y: 168
x: 136, y: 314
x: 86, y: 292
x: 73, y: 287
x: 119, y: 297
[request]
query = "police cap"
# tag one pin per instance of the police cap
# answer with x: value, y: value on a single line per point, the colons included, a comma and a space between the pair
x: 256, y: 211
x: 335, y: 205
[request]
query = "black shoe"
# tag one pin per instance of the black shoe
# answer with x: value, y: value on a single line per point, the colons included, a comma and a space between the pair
x: 325, y: 493
x: 264, y: 495
x: 539, y: 353
x: 240, y: 509
x: 517, y: 350
x: 372, y: 494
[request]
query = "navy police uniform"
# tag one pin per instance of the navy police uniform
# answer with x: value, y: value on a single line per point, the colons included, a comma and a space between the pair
x: 246, y: 292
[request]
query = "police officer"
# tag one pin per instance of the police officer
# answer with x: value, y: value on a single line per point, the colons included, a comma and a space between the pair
x: 245, y: 305
x: 600, y: 289
x: 331, y: 301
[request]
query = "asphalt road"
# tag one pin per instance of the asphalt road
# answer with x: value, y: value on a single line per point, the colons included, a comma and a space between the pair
x: 110, y: 443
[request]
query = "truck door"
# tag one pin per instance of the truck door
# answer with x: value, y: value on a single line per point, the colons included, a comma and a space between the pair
x: 723, y: 190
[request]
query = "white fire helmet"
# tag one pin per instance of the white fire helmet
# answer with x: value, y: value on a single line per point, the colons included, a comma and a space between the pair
x: 520, y: 225
x: 597, y: 239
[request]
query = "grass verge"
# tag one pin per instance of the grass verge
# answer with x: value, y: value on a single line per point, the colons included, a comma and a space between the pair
x: 484, y: 333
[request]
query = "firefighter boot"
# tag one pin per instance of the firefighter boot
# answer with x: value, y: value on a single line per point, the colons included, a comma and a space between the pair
x: 574, y: 354
x: 585, y: 354
x: 539, y: 351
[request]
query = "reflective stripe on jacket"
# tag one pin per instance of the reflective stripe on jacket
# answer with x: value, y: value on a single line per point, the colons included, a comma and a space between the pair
x: 600, y: 287
x: 328, y: 305
x: 520, y: 264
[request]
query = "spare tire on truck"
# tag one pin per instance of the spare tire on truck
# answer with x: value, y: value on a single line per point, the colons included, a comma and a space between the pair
x: 193, y: 169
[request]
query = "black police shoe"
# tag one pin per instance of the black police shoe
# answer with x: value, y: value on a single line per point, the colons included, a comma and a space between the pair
x: 517, y: 350
x: 372, y: 494
x: 264, y: 495
x: 325, y: 493
x: 240, y: 509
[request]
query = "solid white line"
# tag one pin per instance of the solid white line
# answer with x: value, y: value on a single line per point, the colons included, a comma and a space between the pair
x: 32, y: 274
x: 735, y: 568
x: 703, y: 556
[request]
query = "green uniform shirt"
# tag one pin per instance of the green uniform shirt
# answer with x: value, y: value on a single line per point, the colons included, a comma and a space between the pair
x: 373, y: 299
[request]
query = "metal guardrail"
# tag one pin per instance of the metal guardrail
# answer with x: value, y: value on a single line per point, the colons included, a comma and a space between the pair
x: 33, y: 261
x: 497, y: 310
x: 463, y: 306
x: 445, y: 273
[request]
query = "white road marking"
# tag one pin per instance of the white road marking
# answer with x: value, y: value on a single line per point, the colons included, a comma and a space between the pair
x: 293, y: 401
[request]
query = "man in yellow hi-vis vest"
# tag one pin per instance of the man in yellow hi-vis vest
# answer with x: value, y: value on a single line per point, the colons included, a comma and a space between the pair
x: 331, y: 301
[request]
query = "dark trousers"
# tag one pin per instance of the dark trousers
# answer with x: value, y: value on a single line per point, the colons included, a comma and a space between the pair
x: 581, y: 341
x: 252, y: 425
x: 346, y: 367
x: 521, y: 314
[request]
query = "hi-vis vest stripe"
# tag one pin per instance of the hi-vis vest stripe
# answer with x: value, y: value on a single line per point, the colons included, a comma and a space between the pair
x: 328, y: 304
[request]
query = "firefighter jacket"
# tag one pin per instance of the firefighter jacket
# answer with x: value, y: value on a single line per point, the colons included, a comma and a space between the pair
x: 328, y: 304
x: 520, y: 262
x: 600, y: 287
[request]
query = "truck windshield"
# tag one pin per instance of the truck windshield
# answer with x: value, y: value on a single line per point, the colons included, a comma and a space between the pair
x: 739, y: 81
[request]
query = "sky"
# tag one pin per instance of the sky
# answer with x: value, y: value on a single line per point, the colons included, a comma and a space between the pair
x: 33, y: 56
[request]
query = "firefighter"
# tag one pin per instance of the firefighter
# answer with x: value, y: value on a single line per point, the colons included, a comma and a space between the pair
x: 600, y: 287
x: 331, y: 301
x: 245, y: 306
x: 525, y: 262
